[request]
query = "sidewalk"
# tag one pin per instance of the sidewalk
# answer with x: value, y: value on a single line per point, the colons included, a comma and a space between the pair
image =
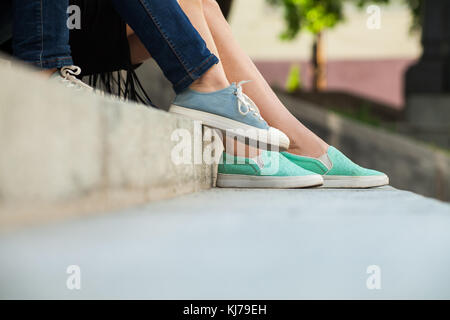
x: 241, y: 244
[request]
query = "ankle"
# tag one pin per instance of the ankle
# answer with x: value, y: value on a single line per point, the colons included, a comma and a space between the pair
x: 246, y: 153
x: 208, y: 86
x: 213, y: 80
x: 312, y: 151
x: 239, y: 148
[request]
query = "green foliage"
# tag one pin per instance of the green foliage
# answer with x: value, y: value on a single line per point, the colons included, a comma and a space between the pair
x: 318, y: 15
x: 416, y: 8
x: 294, y: 80
x: 312, y: 15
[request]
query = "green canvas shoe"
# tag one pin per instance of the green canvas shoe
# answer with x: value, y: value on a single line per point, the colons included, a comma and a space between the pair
x: 338, y: 171
x: 269, y: 170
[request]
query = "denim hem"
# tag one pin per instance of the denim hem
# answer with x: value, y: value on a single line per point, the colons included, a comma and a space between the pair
x: 54, y: 63
x: 195, y: 73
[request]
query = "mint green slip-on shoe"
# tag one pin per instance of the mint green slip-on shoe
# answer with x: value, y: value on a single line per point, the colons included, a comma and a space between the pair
x: 338, y: 171
x: 269, y: 170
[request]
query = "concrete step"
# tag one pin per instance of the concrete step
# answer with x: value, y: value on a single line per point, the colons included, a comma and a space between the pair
x: 67, y: 153
x: 234, y: 244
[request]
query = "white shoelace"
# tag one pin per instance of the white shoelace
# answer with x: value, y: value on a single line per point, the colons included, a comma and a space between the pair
x: 68, y: 77
x: 245, y: 101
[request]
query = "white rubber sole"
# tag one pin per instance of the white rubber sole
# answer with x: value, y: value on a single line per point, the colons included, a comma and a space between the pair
x: 244, y: 181
x: 272, y: 137
x: 355, y: 182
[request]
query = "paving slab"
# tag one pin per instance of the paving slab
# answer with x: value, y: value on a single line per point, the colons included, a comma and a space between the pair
x: 241, y: 244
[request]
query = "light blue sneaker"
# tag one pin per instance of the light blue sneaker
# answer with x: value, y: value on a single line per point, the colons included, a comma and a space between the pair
x: 268, y: 170
x: 231, y: 110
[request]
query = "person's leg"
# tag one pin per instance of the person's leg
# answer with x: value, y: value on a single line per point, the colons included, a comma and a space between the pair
x: 138, y: 52
x: 306, y: 150
x: 168, y: 36
x: 40, y: 33
x: 239, y: 66
x: 203, y: 92
x: 318, y: 157
x: 195, y: 8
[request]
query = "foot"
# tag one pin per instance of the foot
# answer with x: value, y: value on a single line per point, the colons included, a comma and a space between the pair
x: 269, y: 170
x: 67, y: 76
x: 338, y: 171
x: 230, y: 110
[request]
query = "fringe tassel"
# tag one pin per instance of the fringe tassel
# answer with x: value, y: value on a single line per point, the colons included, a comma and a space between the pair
x: 128, y: 87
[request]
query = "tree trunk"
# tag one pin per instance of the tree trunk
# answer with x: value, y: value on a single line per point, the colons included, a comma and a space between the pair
x: 319, y: 63
x: 225, y: 5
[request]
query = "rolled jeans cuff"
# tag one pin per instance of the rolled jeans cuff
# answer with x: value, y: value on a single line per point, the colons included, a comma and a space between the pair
x: 195, y: 73
x: 53, y: 63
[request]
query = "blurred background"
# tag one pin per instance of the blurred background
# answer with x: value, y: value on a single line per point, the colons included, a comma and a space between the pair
x: 382, y: 68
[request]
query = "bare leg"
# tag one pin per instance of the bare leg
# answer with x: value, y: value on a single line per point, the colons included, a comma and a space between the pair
x: 214, y: 79
x: 238, y: 66
x: 138, y: 51
x: 139, y: 54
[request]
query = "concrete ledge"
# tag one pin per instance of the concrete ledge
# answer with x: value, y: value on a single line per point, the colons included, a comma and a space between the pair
x: 65, y: 152
x: 241, y: 244
x: 410, y: 164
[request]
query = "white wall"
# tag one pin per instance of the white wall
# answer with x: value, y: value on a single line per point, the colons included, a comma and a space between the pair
x: 257, y: 26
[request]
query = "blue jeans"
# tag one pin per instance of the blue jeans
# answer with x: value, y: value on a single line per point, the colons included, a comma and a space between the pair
x: 41, y: 36
x: 170, y: 38
x: 40, y: 33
